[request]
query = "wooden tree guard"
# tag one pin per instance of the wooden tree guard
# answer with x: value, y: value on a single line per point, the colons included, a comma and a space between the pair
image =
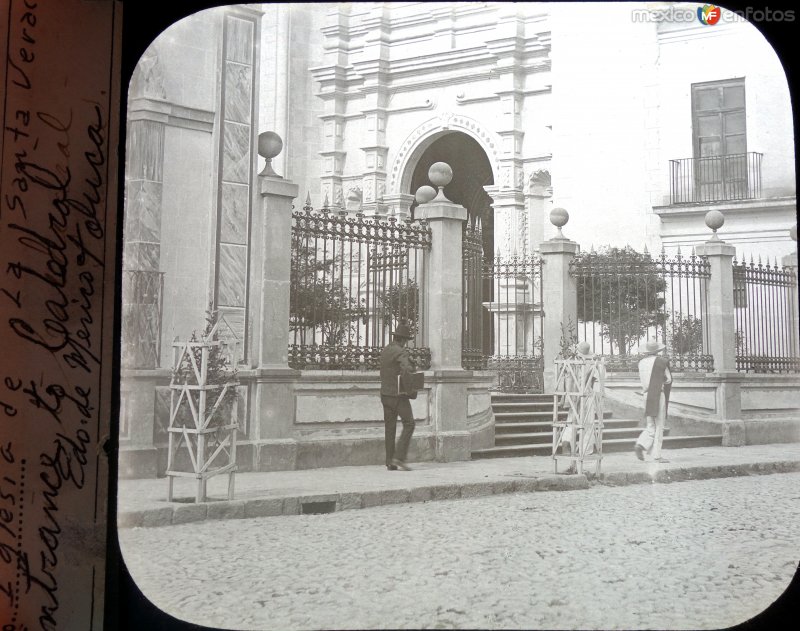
x: 580, y: 387
x: 196, y: 436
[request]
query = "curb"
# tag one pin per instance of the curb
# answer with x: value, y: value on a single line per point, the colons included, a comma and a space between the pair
x: 336, y: 502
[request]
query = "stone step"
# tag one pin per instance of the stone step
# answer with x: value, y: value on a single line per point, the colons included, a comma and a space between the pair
x: 612, y: 445
x: 538, y: 438
x: 510, y: 397
x: 529, y: 417
x: 518, y: 427
x: 525, y: 406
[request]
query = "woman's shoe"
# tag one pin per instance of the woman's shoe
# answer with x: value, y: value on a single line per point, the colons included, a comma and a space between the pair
x: 391, y: 467
x: 401, y: 465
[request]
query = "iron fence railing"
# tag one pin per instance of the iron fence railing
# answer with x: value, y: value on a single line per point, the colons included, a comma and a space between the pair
x: 626, y: 298
x: 353, y: 280
x: 764, y: 301
x: 472, y: 313
x: 502, y: 315
x: 715, y: 178
x: 142, y: 293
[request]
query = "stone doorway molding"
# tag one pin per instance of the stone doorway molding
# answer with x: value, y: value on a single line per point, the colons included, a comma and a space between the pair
x: 426, y: 134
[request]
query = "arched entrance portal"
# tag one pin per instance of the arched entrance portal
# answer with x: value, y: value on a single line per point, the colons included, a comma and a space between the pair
x: 471, y: 172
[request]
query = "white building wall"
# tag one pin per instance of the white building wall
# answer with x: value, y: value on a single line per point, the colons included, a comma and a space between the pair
x: 600, y: 63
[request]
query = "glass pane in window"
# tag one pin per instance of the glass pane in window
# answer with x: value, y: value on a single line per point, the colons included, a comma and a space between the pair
x: 733, y: 96
x: 707, y: 98
x: 735, y: 144
x: 734, y: 123
x: 709, y: 125
x: 710, y: 147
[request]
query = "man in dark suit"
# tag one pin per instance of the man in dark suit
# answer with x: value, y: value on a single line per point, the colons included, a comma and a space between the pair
x: 396, y: 361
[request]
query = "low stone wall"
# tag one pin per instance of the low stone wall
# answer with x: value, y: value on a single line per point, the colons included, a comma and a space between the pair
x: 337, y: 420
x: 769, y: 405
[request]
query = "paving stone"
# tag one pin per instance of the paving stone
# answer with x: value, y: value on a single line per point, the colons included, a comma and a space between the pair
x: 263, y: 507
x: 291, y: 506
x: 394, y: 496
x: 500, y: 487
x: 370, y: 498
x: 348, y: 501
x: 157, y: 517
x: 186, y: 513
x: 445, y: 492
x: 478, y: 489
x: 526, y: 485
x: 226, y: 510
x: 420, y: 494
x: 130, y: 519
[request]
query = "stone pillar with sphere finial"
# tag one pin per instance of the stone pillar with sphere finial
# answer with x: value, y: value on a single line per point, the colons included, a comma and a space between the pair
x: 443, y: 303
x: 720, y: 313
x: 559, y: 294
x: 274, y: 397
x: 789, y: 263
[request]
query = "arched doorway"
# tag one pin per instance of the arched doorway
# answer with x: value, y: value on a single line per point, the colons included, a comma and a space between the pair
x: 471, y: 172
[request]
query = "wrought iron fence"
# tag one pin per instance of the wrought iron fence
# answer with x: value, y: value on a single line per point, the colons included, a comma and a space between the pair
x: 353, y: 280
x: 625, y: 298
x: 715, y: 178
x: 472, y: 357
x: 765, y: 306
x: 142, y: 293
x: 502, y: 316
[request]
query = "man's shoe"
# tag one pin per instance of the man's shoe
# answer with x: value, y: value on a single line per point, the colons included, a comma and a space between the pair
x: 391, y: 467
x: 401, y: 465
x: 639, y: 451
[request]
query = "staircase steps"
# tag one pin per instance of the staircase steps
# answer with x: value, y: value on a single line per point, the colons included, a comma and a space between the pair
x: 524, y: 427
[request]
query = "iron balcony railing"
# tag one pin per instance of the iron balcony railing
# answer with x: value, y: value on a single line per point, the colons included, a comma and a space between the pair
x: 715, y: 178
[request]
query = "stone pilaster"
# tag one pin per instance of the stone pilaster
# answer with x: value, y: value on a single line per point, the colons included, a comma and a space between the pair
x: 332, y: 77
x: 373, y: 66
x: 789, y: 263
x: 444, y: 302
x: 721, y: 326
x: 560, y: 299
x: 510, y: 221
x: 274, y: 398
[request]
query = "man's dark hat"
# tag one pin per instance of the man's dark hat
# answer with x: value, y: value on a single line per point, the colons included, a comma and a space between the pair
x: 403, y: 332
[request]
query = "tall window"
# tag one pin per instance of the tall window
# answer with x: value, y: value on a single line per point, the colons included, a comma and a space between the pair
x: 720, y: 140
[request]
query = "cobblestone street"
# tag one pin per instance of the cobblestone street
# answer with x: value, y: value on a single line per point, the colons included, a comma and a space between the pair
x: 700, y: 554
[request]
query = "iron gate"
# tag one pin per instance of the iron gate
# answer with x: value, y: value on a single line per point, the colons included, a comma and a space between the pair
x: 502, y: 315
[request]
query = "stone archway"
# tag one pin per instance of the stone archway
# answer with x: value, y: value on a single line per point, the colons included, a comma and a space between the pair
x: 472, y: 171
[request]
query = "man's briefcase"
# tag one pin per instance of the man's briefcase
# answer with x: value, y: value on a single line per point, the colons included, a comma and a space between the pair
x: 409, y: 386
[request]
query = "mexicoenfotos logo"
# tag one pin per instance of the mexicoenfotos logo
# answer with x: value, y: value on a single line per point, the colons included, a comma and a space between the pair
x: 709, y: 14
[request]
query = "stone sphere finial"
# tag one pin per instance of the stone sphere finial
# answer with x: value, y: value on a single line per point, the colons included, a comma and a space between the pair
x: 270, y: 145
x: 715, y: 221
x: 440, y: 174
x: 559, y: 218
x: 425, y: 194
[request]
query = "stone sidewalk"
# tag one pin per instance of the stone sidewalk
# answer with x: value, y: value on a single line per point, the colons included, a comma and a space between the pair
x: 262, y: 494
